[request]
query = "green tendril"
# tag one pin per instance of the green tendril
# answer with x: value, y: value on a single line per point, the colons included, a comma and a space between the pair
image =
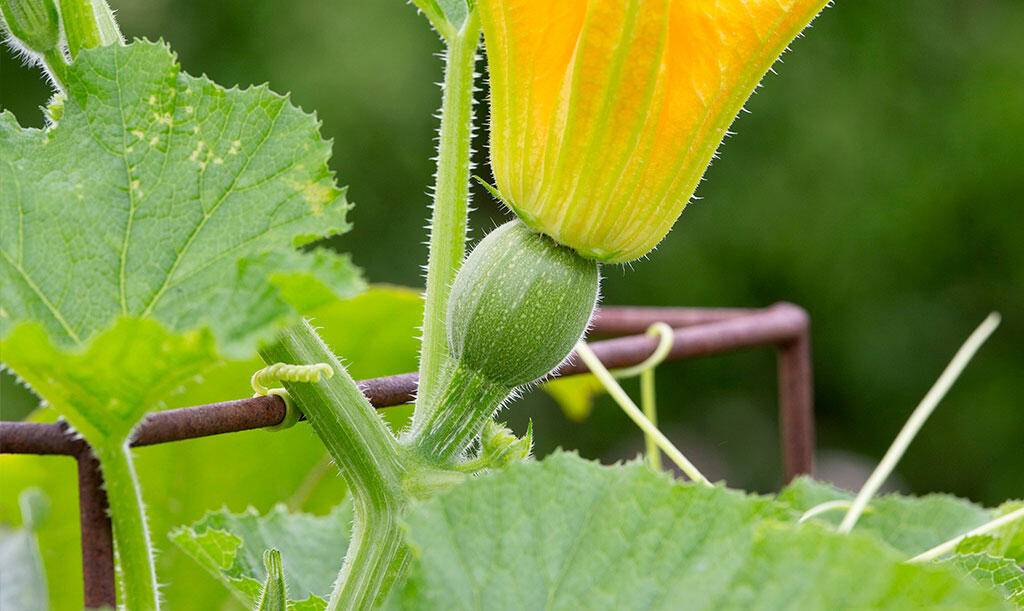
x: 283, y: 372
x: 648, y: 400
x: 637, y: 416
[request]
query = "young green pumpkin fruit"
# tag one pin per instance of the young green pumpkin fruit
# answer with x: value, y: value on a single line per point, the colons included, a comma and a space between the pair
x: 518, y: 306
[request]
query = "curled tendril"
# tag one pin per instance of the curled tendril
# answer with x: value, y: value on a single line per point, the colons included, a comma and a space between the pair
x: 654, y: 436
x: 282, y: 372
x: 657, y: 357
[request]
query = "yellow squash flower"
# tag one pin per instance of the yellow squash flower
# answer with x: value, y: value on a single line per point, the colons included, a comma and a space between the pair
x: 605, y: 113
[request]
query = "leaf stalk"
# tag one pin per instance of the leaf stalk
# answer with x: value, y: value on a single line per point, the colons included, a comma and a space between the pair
x: 131, y: 533
x: 451, y: 202
x: 88, y: 24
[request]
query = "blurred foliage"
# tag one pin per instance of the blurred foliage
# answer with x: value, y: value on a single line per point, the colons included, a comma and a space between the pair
x: 877, y: 182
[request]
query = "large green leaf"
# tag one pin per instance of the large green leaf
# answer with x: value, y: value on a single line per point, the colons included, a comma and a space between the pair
x: 231, y: 547
x: 567, y: 534
x: 161, y: 197
x: 910, y: 524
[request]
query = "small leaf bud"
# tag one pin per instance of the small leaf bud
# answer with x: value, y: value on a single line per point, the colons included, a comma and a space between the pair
x: 499, y: 447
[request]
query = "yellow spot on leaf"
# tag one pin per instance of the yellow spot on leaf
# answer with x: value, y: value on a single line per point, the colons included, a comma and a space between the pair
x: 195, y: 152
x: 317, y: 194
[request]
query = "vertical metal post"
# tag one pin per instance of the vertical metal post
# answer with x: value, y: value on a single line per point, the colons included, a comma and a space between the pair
x: 97, y: 537
x: 796, y: 406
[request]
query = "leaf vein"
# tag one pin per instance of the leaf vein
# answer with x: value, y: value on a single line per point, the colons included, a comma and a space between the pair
x: 206, y: 216
x: 35, y: 288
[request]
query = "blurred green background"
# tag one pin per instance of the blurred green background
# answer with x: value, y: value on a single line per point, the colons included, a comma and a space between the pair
x: 877, y: 181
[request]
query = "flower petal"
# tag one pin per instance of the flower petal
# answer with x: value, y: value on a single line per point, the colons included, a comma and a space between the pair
x: 605, y: 113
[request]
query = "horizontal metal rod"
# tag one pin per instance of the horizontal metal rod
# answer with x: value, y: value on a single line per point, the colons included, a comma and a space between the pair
x: 777, y: 324
x: 39, y: 438
x: 720, y: 332
x: 628, y: 320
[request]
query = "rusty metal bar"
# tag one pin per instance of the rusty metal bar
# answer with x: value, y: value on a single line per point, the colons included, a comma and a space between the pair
x: 698, y: 332
x: 784, y: 325
x: 796, y: 403
x: 628, y: 320
x: 37, y: 438
x: 778, y: 324
x: 206, y: 420
x: 98, y: 581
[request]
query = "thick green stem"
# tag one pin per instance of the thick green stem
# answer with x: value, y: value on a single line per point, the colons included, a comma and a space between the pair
x: 88, y: 24
x: 54, y: 65
x: 469, y: 399
x: 131, y: 535
x: 377, y: 557
x: 371, y: 462
x: 361, y: 445
x: 451, y: 201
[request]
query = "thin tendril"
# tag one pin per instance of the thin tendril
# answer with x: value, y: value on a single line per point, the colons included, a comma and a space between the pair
x: 648, y: 396
x: 826, y: 507
x: 657, y: 357
x: 634, y: 413
x: 283, y: 372
x: 918, y: 418
x: 950, y: 545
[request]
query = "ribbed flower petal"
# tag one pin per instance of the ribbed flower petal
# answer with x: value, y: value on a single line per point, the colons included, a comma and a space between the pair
x: 605, y: 113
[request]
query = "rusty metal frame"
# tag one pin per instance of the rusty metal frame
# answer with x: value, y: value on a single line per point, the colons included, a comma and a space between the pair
x: 698, y: 332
